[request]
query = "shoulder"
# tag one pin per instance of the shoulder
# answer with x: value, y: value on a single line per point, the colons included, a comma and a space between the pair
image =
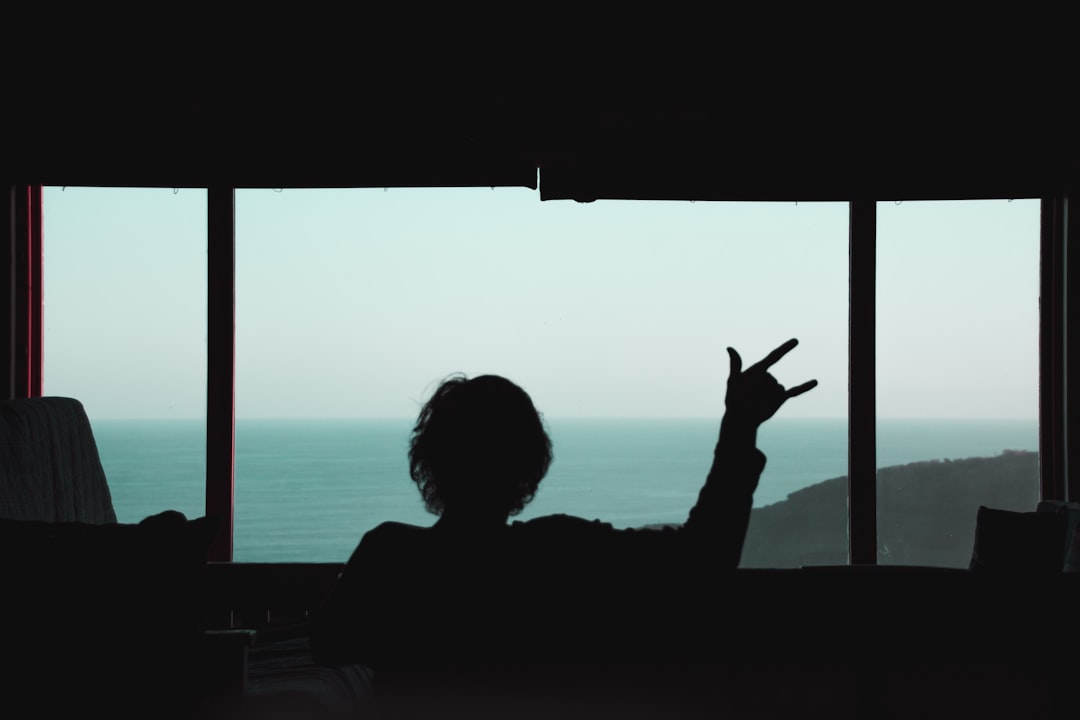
x: 561, y: 538
x: 394, y: 529
x: 388, y: 536
x: 561, y: 523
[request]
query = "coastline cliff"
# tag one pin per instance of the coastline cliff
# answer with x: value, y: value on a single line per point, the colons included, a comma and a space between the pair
x: 926, y: 513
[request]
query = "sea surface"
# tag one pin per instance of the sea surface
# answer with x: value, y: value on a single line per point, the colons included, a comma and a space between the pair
x: 307, y: 490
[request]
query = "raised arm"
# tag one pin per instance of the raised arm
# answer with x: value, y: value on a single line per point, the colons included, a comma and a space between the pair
x: 722, y: 513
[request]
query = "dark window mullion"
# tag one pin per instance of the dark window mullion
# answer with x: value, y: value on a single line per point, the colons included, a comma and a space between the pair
x: 11, y: 286
x: 1051, y: 358
x: 862, y: 368
x: 1072, y: 316
x: 220, y: 367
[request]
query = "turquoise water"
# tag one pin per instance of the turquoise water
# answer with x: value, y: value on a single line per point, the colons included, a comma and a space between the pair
x: 306, y: 490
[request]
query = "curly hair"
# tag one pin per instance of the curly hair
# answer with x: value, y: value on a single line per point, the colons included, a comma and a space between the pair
x: 479, y: 442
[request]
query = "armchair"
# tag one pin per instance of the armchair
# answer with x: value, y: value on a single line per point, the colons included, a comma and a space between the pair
x: 102, y: 617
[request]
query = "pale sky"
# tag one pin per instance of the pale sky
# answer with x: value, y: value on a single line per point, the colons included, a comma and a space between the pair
x: 354, y: 303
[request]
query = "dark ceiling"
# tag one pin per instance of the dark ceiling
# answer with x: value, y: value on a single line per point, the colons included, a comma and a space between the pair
x: 803, y: 124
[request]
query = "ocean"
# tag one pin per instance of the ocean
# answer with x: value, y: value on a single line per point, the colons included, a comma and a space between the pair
x: 307, y: 490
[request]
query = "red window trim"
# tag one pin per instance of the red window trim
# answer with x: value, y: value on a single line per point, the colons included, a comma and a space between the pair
x: 26, y: 320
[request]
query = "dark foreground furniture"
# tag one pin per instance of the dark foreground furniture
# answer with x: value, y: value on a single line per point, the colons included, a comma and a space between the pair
x: 273, y: 602
x: 836, y: 642
x: 102, y: 619
x: 874, y: 641
x: 129, y: 620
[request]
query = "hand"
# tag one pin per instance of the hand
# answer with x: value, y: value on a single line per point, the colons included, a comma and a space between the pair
x: 753, y: 395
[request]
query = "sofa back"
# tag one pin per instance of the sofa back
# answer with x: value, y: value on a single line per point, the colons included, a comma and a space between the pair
x: 50, y: 470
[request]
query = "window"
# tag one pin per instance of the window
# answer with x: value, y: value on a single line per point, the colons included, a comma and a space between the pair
x: 958, y: 372
x: 615, y: 315
x: 125, y: 333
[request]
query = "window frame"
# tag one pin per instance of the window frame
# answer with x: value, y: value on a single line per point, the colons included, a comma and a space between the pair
x: 22, y: 329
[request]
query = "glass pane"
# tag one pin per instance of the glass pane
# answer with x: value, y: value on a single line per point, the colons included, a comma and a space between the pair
x: 125, y: 333
x: 353, y: 304
x: 957, y: 372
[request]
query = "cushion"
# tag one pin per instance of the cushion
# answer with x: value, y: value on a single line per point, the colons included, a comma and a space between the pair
x: 49, y: 464
x: 1072, y: 555
x: 1014, y: 541
x: 112, y: 613
x: 1071, y: 510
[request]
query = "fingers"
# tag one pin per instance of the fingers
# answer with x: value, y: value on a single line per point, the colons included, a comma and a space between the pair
x: 774, y: 357
x: 800, y: 389
x: 736, y: 362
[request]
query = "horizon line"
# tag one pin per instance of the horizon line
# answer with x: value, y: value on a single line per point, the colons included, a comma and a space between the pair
x: 605, y: 418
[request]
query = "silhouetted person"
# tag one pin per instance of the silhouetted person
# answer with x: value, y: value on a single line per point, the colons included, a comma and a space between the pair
x: 475, y: 589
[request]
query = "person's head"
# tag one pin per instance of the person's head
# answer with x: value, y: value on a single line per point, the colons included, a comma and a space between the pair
x: 478, y: 447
